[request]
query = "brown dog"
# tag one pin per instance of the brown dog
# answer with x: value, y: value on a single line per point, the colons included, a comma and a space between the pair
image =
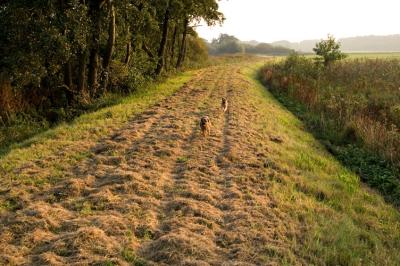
x: 224, y: 104
x: 205, y: 125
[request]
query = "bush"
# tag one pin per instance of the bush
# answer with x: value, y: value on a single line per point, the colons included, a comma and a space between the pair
x: 328, y: 51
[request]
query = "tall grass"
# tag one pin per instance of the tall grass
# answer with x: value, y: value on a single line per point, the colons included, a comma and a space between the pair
x: 353, y: 104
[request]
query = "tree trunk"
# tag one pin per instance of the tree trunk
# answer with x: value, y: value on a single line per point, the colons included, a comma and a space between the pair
x: 94, y: 59
x: 184, y: 52
x: 147, y: 50
x: 82, y: 72
x: 111, y: 38
x: 182, y: 47
x: 128, y: 48
x: 110, y: 48
x: 68, y: 75
x: 128, y: 53
x: 172, y: 51
x: 67, y: 66
x: 161, y: 49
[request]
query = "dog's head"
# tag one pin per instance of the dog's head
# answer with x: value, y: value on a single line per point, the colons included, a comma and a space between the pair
x: 205, y: 120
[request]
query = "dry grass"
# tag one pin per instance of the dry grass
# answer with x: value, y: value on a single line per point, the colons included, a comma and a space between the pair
x: 361, y: 95
x: 152, y: 191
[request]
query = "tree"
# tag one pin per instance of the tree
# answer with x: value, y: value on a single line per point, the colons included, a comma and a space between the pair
x: 195, y: 11
x: 227, y: 44
x: 164, y: 36
x: 328, y: 51
x: 88, y: 47
x: 266, y: 49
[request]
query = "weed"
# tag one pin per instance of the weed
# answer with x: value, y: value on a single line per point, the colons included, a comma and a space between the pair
x: 144, y: 232
x: 130, y: 256
x: 182, y: 160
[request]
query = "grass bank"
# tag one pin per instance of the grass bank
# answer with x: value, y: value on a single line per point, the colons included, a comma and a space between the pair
x: 342, y: 222
x: 353, y: 107
x: 68, y: 143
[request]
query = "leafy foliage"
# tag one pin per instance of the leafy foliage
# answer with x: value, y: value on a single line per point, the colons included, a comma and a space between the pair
x: 63, y: 54
x: 328, y: 51
x: 40, y: 38
x: 228, y: 44
x: 266, y: 49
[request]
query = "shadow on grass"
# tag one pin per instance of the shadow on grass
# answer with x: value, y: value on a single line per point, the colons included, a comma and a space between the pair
x: 25, y: 133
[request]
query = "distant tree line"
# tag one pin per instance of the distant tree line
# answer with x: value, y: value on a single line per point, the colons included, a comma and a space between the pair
x: 57, y: 52
x: 228, y: 44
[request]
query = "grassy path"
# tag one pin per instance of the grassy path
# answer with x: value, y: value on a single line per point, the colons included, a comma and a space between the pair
x: 147, y: 189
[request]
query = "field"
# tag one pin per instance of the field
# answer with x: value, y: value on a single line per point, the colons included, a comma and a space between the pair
x: 360, y: 55
x: 136, y: 184
x: 394, y: 55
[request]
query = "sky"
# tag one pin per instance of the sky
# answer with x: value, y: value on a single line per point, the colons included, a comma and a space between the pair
x: 297, y: 20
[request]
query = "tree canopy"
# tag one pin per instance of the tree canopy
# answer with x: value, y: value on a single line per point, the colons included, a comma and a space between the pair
x: 328, y: 50
x: 228, y: 44
x: 84, y: 46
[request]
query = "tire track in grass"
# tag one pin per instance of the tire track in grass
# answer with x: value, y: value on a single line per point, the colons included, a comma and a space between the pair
x: 155, y: 191
x: 191, y: 215
x: 112, y: 200
x: 254, y: 231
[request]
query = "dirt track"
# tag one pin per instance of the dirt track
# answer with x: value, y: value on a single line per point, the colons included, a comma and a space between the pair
x: 158, y: 192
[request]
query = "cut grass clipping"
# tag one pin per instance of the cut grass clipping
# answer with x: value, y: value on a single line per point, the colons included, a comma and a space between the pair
x: 68, y: 144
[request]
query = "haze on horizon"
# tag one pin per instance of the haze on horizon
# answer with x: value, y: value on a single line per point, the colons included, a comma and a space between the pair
x: 269, y: 21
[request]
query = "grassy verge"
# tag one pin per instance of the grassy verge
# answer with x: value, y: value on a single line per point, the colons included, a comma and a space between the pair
x: 373, y: 170
x: 361, y: 55
x: 341, y: 221
x: 23, y: 126
x: 352, y: 107
x: 68, y: 143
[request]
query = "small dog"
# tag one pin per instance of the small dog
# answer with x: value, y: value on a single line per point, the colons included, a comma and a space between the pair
x: 205, y: 125
x: 224, y: 104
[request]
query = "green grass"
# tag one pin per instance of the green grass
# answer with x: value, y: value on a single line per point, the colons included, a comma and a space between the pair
x: 383, y: 55
x: 130, y: 257
x: 342, y: 222
x: 338, y: 221
x: 74, y: 139
x: 378, y: 173
x: 351, y: 107
x: 364, y: 55
x: 182, y: 160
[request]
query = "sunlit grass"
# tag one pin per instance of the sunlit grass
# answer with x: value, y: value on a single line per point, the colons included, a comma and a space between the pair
x: 376, y: 55
x: 342, y: 221
x: 68, y: 143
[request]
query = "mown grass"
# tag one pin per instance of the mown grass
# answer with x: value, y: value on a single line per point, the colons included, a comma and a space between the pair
x: 353, y: 106
x: 341, y: 221
x: 67, y: 144
x: 23, y: 126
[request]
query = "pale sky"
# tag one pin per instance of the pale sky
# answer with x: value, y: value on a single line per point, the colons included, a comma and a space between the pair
x: 296, y: 20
